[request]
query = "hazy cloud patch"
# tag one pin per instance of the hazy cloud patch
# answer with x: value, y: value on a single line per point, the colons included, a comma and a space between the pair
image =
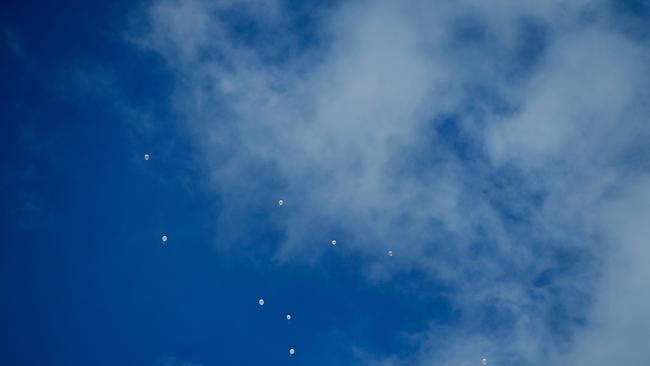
x: 499, y: 148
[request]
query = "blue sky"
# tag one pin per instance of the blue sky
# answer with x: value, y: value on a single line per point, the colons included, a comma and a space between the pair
x: 499, y: 150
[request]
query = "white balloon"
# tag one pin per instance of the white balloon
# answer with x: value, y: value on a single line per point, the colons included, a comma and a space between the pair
x: 390, y: 253
x: 484, y: 361
x: 280, y: 202
x: 292, y: 351
x: 261, y: 302
x: 146, y: 156
x: 333, y: 242
x: 164, y: 238
x: 288, y: 316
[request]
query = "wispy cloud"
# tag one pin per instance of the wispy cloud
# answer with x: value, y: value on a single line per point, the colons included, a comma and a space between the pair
x: 500, y: 148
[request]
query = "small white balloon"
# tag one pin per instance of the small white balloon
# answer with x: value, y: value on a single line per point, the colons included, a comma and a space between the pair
x: 292, y: 351
x: 390, y: 253
x: 484, y: 361
x: 261, y: 302
x: 146, y: 156
x: 280, y: 202
x: 288, y: 316
x: 164, y: 238
x: 333, y: 242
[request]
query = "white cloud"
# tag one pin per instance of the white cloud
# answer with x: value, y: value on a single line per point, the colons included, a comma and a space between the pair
x: 346, y: 134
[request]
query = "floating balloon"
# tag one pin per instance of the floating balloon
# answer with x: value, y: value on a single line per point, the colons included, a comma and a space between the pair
x: 164, y: 238
x: 333, y: 242
x: 261, y: 302
x: 484, y: 361
x: 292, y: 351
x: 390, y: 253
x: 146, y: 156
x: 288, y: 316
x: 280, y: 202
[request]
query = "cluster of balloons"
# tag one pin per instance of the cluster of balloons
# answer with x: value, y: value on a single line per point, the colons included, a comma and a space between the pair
x: 292, y: 351
x: 333, y: 242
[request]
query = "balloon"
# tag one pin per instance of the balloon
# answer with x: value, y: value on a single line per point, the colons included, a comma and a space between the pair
x: 164, y: 238
x: 261, y: 302
x: 292, y: 351
x: 333, y: 242
x: 146, y: 156
x: 288, y: 316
